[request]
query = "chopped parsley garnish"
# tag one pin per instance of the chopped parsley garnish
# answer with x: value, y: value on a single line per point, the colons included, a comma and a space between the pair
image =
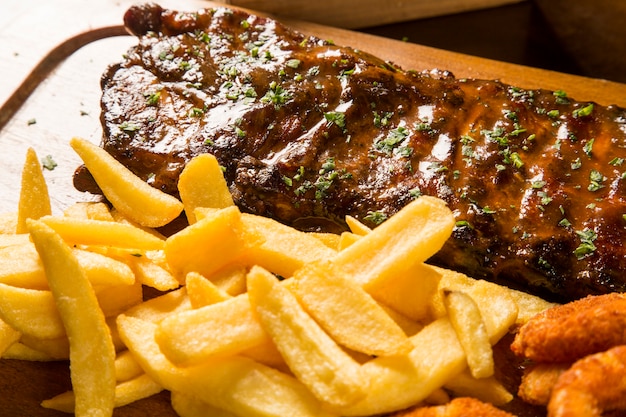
x: 376, y: 217
x: 293, y: 63
x: 392, y: 140
x: 595, y: 180
x: 561, y: 97
x: 586, y: 247
x: 588, y: 148
x: 48, y: 163
x: 276, y: 94
x: 153, y: 99
x: 336, y: 118
x: 128, y: 127
x: 583, y: 111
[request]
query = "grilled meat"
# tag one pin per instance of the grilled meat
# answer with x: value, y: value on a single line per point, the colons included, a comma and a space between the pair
x: 308, y: 132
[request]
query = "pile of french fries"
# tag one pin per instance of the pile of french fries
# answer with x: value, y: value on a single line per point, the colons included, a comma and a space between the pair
x: 252, y: 317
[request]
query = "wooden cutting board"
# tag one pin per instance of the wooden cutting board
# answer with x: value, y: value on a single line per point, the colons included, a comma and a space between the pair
x: 46, y: 98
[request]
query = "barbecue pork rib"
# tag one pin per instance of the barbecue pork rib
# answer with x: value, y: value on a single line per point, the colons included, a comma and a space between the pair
x: 309, y: 132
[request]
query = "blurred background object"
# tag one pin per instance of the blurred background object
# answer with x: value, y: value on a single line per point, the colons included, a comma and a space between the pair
x: 580, y: 37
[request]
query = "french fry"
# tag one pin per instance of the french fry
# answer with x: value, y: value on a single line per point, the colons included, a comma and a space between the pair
x: 203, y: 292
x: 98, y: 232
x: 357, y: 227
x: 8, y: 336
x: 411, y: 292
x: 485, y: 389
x: 202, y: 184
x: 221, y: 329
x: 125, y: 393
x: 126, y: 367
x: 470, y: 328
x: 58, y: 348
x: 210, y: 244
x: 316, y: 360
x: 347, y: 313
x: 115, y: 299
x: 127, y: 193
x: 89, y: 210
x: 235, y: 384
x: 346, y: 239
x: 409, y: 237
x: 152, y: 275
x: 397, y: 382
x: 34, y: 200
x: 158, y: 308
x: 189, y: 406
x: 32, y: 312
x: 92, y: 354
x: 21, y: 352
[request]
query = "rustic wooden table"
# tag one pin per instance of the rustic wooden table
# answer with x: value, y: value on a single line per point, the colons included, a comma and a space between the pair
x: 51, y: 59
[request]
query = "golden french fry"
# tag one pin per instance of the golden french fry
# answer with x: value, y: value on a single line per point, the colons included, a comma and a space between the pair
x: 346, y: 239
x: 89, y: 210
x: 21, y: 352
x: 411, y: 292
x: 284, y: 249
x: 12, y: 239
x: 34, y: 200
x: 116, y: 299
x: 152, y: 275
x: 397, y: 382
x: 99, y: 232
x: 126, y: 367
x: 8, y: 336
x: 203, y: 292
x: 409, y: 237
x: 58, y: 349
x: 231, y: 279
x: 158, y: 308
x: 202, y: 184
x: 128, y: 193
x: 32, y: 312
x: 356, y: 226
x: 103, y: 270
x: 189, y: 406
x: 485, y: 389
x: 210, y: 244
x: 235, y: 384
x: 347, y: 313
x: 125, y: 393
x: 316, y: 360
x: 470, y: 328
x: 92, y: 354
x: 221, y: 329
x: 529, y: 305
x: 329, y: 239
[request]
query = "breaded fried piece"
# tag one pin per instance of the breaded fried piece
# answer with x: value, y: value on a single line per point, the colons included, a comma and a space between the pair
x: 571, y: 331
x: 458, y: 407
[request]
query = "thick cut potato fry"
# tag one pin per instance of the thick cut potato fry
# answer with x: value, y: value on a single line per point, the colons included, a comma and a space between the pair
x: 281, y: 249
x: 152, y: 275
x: 8, y: 336
x: 329, y: 239
x: 126, y: 367
x: 411, y: 292
x: 347, y: 313
x: 203, y: 292
x: 316, y: 360
x: 55, y: 348
x: 357, y: 227
x: 397, y: 382
x: 235, y: 384
x: 209, y: 245
x: 21, y: 352
x: 34, y: 200
x: 221, y: 329
x: 409, y: 237
x: 189, y: 406
x: 128, y: 193
x: 158, y: 308
x: 125, y: 393
x: 470, y: 328
x: 114, y: 300
x: 92, y: 354
x: 485, y: 389
x: 103, y: 270
x: 346, y: 239
x: 202, y: 184
x: 89, y: 210
x: 98, y: 232
x: 32, y: 312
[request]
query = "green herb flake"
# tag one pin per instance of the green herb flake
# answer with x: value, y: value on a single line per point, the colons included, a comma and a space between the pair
x: 336, y: 118
x: 616, y: 161
x: 463, y: 224
x: 586, y: 247
x: 588, y: 148
x: 48, y: 163
x: 583, y: 111
x: 293, y: 63
x: 376, y: 217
